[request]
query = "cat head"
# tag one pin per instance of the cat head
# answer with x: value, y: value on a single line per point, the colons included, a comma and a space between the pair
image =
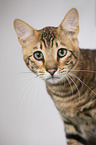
x: 52, y: 51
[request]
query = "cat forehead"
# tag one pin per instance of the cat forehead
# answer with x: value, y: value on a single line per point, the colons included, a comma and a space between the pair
x: 48, y: 34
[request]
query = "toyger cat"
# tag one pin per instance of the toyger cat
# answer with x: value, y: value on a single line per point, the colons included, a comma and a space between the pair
x: 52, y: 53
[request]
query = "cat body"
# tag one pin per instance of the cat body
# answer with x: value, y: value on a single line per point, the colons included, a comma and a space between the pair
x: 77, y: 105
x: 52, y: 53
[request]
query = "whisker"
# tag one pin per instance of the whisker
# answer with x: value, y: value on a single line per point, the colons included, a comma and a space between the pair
x: 82, y: 83
x: 42, y: 90
x: 83, y: 70
x: 18, y: 73
x: 28, y: 86
x: 30, y: 94
x: 28, y: 76
x: 75, y: 85
x: 25, y: 78
x: 69, y: 84
x: 36, y: 93
x: 23, y: 96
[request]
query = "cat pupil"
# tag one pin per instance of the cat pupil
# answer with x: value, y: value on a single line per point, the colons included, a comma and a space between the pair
x: 61, y: 51
x: 38, y: 54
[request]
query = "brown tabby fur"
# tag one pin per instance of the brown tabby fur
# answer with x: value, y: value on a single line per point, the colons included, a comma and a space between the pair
x: 69, y: 73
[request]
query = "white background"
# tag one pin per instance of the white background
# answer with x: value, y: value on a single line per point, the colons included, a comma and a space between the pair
x: 27, y: 113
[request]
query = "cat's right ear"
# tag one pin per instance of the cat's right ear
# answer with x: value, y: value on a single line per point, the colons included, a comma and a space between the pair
x: 24, y: 31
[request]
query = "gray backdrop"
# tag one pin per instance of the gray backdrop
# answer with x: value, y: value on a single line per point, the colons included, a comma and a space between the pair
x: 27, y: 113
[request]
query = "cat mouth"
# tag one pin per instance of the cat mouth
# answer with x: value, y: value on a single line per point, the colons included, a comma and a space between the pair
x: 53, y: 78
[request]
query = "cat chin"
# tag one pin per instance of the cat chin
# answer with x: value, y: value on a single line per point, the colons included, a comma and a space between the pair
x: 54, y: 80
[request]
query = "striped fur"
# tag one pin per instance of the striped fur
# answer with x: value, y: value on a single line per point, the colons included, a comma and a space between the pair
x: 52, y: 53
x: 76, y: 101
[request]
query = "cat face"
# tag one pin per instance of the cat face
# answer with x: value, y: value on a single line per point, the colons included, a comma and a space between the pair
x: 52, y: 51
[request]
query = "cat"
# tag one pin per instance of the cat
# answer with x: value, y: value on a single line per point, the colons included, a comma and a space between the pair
x: 69, y: 72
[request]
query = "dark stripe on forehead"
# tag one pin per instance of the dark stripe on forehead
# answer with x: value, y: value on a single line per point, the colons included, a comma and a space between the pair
x: 40, y: 46
x: 48, y: 34
x: 44, y: 41
x: 56, y: 44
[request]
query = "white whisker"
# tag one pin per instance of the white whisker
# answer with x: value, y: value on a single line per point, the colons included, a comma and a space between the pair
x: 75, y: 85
x: 33, y: 89
x: 83, y: 70
x: 83, y: 83
x: 36, y: 93
x: 24, y: 95
x: 27, y: 74
x: 69, y: 84
x: 20, y: 73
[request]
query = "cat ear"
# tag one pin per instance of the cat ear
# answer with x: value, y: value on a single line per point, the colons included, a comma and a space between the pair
x: 23, y: 31
x: 70, y: 23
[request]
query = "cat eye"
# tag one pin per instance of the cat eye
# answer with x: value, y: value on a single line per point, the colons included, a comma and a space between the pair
x: 38, y: 55
x: 62, y: 52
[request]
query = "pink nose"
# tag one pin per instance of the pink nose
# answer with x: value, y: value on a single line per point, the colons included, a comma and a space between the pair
x: 51, y: 70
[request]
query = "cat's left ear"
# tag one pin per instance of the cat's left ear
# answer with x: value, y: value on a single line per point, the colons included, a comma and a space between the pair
x: 70, y: 23
x: 24, y: 31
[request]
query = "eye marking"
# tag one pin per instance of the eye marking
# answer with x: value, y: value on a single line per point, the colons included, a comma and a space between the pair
x: 62, y: 52
x: 38, y: 55
x: 28, y: 59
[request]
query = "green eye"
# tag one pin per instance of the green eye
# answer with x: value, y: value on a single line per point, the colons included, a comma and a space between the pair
x: 38, y: 55
x: 61, y: 52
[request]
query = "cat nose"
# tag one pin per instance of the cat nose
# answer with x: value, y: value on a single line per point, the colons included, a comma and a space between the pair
x: 51, y: 70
